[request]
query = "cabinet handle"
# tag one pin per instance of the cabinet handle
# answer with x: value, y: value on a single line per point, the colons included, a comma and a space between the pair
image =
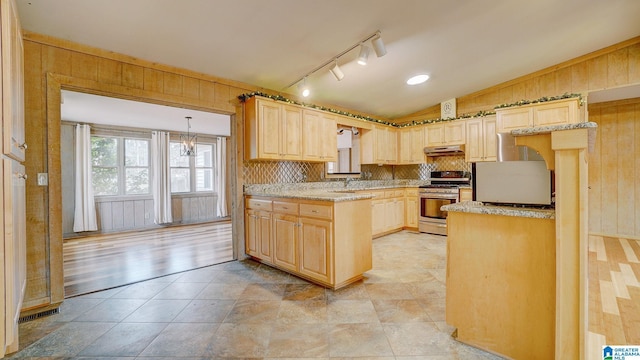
x: 22, y: 176
x: 23, y: 146
x: 286, y: 208
x: 314, y: 211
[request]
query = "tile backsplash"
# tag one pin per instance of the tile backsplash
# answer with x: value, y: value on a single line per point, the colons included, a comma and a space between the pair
x: 282, y: 172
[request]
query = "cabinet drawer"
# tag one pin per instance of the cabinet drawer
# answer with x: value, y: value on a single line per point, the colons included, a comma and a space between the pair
x: 314, y: 210
x: 412, y: 192
x: 398, y: 193
x: 259, y: 204
x: 388, y: 194
x: 285, y: 207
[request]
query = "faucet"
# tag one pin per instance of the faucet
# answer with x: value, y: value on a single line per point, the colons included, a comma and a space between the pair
x: 347, y: 181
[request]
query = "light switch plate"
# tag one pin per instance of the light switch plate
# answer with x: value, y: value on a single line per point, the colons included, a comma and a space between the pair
x: 43, y: 179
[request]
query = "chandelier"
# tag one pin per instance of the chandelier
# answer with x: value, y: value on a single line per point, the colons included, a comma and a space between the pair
x: 188, y: 141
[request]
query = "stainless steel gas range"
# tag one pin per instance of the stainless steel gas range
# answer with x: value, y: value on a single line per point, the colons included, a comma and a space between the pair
x: 443, y: 190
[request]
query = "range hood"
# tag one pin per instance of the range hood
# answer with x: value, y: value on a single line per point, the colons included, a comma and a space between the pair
x: 444, y: 150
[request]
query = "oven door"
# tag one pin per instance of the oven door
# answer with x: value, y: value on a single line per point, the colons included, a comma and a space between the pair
x: 430, y: 206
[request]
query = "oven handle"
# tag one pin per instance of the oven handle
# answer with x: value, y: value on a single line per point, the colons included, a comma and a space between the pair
x: 439, y: 196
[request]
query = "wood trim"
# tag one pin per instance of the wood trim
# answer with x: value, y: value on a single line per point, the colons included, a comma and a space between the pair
x: 622, y: 236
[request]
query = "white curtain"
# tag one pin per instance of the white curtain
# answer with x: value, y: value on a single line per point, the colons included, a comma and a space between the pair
x: 161, y: 177
x: 85, y: 208
x: 221, y: 175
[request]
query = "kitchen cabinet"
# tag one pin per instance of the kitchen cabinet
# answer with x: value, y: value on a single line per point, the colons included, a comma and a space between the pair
x: 412, y: 208
x: 466, y: 194
x: 13, y: 262
x: 481, y: 139
x: 319, y: 136
x: 12, y: 83
x: 557, y: 112
x: 445, y: 133
x: 411, y: 145
x: 379, y: 145
x: 273, y: 130
x: 387, y: 211
x: 316, y: 240
x: 258, y: 228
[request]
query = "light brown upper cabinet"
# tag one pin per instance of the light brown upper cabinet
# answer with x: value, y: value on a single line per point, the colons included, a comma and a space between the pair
x: 379, y: 145
x: 445, y: 133
x: 273, y: 130
x: 319, y: 136
x: 411, y: 145
x: 481, y: 139
x: 12, y: 83
x: 557, y: 112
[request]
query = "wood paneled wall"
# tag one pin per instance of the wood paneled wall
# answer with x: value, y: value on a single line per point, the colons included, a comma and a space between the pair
x: 614, y: 169
x: 614, y: 66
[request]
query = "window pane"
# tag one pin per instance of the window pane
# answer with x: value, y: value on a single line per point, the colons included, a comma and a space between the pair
x: 136, y: 152
x: 104, y: 151
x: 105, y: 181
x: 180, y: 180
x: 137, y: 180
x: 204, y: 157
x: 175, y: 159
x: 204, y: 179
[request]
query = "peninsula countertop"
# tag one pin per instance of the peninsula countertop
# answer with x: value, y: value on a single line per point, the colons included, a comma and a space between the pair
x: 477, y: 207
x: 335, y: 191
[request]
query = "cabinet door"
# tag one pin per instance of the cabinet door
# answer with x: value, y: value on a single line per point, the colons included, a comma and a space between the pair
x: 386, y: 145
x: 556, y: 113
x: 489, y: 137
x: 411, y: 212
x: 514, y: 118
x: 15, y: 263
x: 398, y: 213
x: 329, y: 140
x: 285, y: 238
x: 311, y: 135
x: 378, y: 217
x: 12, y: 82
x: 434, y: 134
x: 315, y: 249
x: 291, y: 136
x: 474, y: 148
x: 258, y: 234
x: 269, y: 130
x: 454, y: 132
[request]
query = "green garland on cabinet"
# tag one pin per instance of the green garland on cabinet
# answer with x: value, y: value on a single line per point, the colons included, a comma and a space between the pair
x: 247, y: 96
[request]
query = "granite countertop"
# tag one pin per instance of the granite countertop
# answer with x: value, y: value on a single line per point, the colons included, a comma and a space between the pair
x: 477, y: 207
x: 335, y: 191
x: 551, y: 128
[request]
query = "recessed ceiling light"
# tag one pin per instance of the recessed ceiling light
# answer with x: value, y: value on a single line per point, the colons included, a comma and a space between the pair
x: 418, y: 79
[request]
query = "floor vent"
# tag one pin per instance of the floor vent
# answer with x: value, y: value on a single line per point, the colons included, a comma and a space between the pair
x: 38, y: 315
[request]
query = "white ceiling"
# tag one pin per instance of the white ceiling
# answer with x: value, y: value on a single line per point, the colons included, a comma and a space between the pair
x: 464, y: 45
x: 95, y: 109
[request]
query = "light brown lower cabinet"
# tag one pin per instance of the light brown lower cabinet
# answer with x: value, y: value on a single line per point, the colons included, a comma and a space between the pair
x: 326, y: 242
x: 387, y: 211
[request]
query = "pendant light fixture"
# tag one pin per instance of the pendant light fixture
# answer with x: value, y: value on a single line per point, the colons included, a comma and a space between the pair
x: 188, y: 141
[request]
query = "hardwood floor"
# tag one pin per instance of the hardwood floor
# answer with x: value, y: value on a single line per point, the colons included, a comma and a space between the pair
x: 105, y: 261
x: 614, y: 292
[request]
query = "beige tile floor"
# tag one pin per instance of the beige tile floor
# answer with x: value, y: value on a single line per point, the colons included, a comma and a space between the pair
x: 242, y: 309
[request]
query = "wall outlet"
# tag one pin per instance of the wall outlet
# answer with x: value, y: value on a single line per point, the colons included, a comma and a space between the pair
x: 43, y: 179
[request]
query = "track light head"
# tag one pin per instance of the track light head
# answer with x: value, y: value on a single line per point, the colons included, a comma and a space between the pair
x: 364, y: 54
x: 354, y: 131
x: 378, y: 46
x: 303, y: 88
x: 335, y: 70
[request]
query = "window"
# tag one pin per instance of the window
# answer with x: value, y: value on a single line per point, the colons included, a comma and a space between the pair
x: 192, y: 173
x: 120, y: 165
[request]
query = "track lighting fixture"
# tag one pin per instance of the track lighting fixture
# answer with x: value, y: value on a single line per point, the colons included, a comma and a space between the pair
x: 364, y: 54
x: 335, y: 70
x: 354, y: 131
x: 303, y: 88
x: 378, y: 46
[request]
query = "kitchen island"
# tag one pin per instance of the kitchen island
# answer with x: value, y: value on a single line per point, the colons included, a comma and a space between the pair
x: 501, y: 278
x: 321, y: 232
